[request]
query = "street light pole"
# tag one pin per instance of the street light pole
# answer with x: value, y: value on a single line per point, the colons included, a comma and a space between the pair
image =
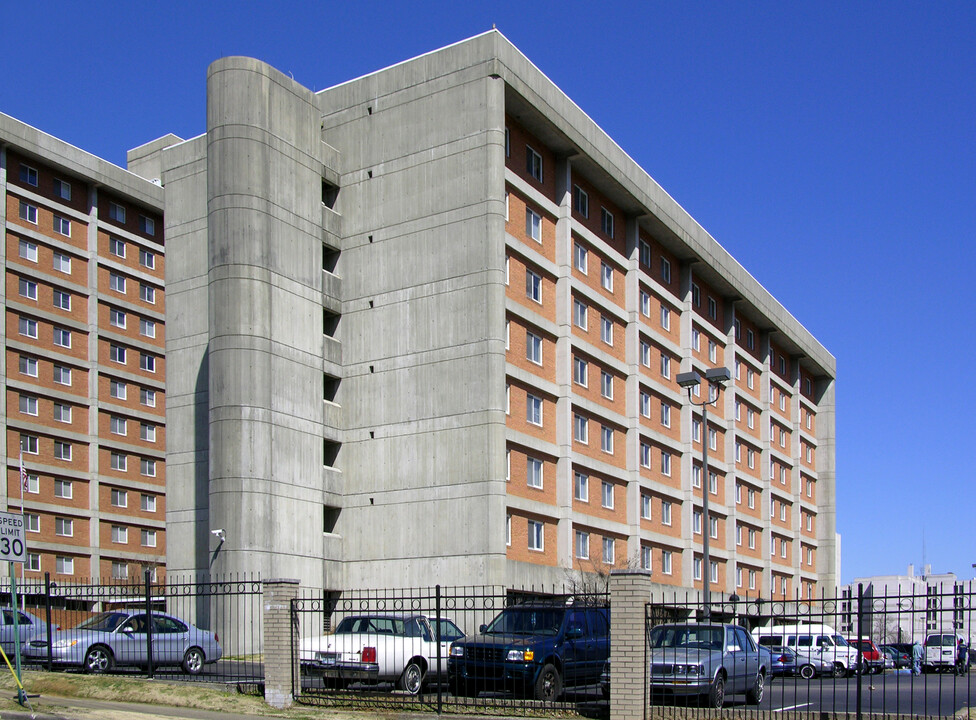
x: 716, y: 377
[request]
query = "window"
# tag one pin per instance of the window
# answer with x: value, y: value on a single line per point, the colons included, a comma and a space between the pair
x: 119, y: 462
x: 666, y: 463
x: 533, y: 224
x: 606, y: 384
x: 147, y: 467
x: 645, y: 353
x: 28, y: 175
x: 713, y: 571
x: 147, y: 432
x: 147, y: 259
x: 62, y: 263
x: 62, y: 489
x: 606, y: 222
x: 712, y: 351
x: 33, y: 562
x: 665, y: 414
x: 696, y: 476
x: 645, y: 455
x: 752, y: 539
x: 712, y: 439
x: 606, y: 276
x: 62, y: 226
x: 536, y: 535
x: 606, y: 330
x: 64, y: 527
x: 606, y: 439
x: 533, y: 163
x: 148, y: 503
x: 533, y: 472
x: 782, y: 475
x: 752, y: 498
x: 116, y: 212
x: 698, y: 568
x: 116, y: 318
x: 62, y: 337
x: 147, y: 293
x: 579, y: 257
x: 62, y: 375
x: 120, y: 498
x: 28, y: 404
x: 32, y: 484
x: 581, y: 201
x: 579, y: 371
x: 533, y: 347
x: 645, y: 404
x: 147, y: 225
x: 61, y: 299
x: 712, y: 308
x: 120, y: 570
x: 579, y: 314
x: 147, y: 397
x: 28, y: 327
x: 772, y: 508
x: 713, y: 526
x: 62, y: 413
x: 62, y: 450
x: 696, y: 339
x: 666, y: 562
x: 695, y: 294
x: 750, y: 339
x: 666, y: 512
x: 696, y: 427
x: 116, y: 353
x: 782, y: 511
x: 607, y: 495
x: 580, y: 429
x: 116, y: 282
x: 62, y: 189
x: 784, y: 547
x: 28, y: 212
x: 533, y: 409
x: 665, y: 318
x: 28, y: 366
x: 28, y: 289
x: 533, y: 285
x: 33, y: 522
x: 64, y: 565
x: 750, y: 377
x: 782, y: 401
x: 665, y: 366
x: 751, y: 418
x: 117, y: 425
x: 782, y: 365
x: 581, y: 490
x: 644, y: 253
x: 120, y: 534
x: 582, y: 545
x: 738, y: 535
x: 508, y: 530
x: 696, y: 522
x: 116, y: 247
x: 645, y: 303
x: 608, y: 551
x: 508, y: 143
x: 28, y: 250
x: 147, y: 362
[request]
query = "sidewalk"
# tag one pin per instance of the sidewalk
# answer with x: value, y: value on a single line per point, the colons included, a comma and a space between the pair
x: 57, y: 708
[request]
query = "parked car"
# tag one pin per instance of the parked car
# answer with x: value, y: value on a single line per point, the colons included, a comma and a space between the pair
x: 709, y: 660
x: 118, y: 638
x: 786, y: 661
x: 870, y: 660
x: 899, y: 658
x: 940, y: 652
x: 534, y: 650
x: 816, y: 642
x: 381, y: 647
x: 27, y: 625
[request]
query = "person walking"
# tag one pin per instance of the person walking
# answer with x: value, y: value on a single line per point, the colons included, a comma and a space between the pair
x: 917, y: 652
x: 962, y: 657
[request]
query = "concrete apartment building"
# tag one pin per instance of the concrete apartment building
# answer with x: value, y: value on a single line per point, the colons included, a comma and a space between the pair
x: 83, y: 363
x: 424, y: 327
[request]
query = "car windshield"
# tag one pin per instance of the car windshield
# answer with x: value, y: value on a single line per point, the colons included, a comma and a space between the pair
x: 404, y: 627
x: 527, y: 621
x: 104, y: 622
x: 839, y: 641
x: 687, y: 636
x: 944, y: 640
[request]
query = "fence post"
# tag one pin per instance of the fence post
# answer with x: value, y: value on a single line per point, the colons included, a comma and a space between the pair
x: 280, y: 641
x: 630, y: 591
x: 47, y: 619
x: 149, y: 623
x: 860, y: 654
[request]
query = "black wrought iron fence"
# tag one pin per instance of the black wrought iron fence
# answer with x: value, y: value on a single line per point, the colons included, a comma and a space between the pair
x: 868, y: 652
x: 482, y: 648
x: 194, y: 628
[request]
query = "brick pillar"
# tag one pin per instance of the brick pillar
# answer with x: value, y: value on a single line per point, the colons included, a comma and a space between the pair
x: 630, y: 591
x: 280, y: 642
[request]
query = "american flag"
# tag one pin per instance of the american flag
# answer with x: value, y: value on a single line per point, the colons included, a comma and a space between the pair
x: 23, y: 473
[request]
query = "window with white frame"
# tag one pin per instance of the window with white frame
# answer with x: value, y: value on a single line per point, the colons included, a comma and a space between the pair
x: 120, y: 534
x: 752, y: 498
x: 28, y: 212
x: 64, y: 565
x: 533, y: 409
x: 32, y: 521
x: 645, y: 506
x: 533, y: 224
x: 666, y: 271
x: 696, y: 427
x: 665, y: 414
x: 61, y: 262
x: 28, y: 175
x: 147, y: 432
x: 752, y: 579
x: 666, y: 463
x: 147, y: 259
x: 147, y: 293
x: 581, y: 201
x: 696, y: 339
x: 606, y: 330
x: 116, y: 212
x: 147, y: 328
x: 606, y: 276
x: 782, y: 511
x: 28, y: 289
x: 665, y: 318
x: 712, y: 439
x: 645, y: 557
x: 750, y: 378
x: 697, y: 564
x: 751, y: 418
x: 533, y: 472
x: 533, y: 347
x: 750, y: 339
x: 712, y: 482
x: 666, y: 562
x: 147, y: 397
x: 28, y: 404
x: 712, y: 308
x: 147, y: 362
x: 580, y: 429
x: 579, y: 314
x: 62, y: 226
x: 61, y: 299
x: 608, y: 550
x: 712, y: 351
x: 738, y: 535
x: 606, y: 384
x: 666, y: 512
x: 582, y: 545
x: 713, y: 571
x: 752, y: 539
x: 606, y: 222
x: 28, y: 250
x: 579, y: 257
x: 120, y: 498
x: 116, y: 246
x: 533, y: 163
x: 645, y: 404
x: 645, y: 303
x: 62, y: 375
x: 645, y: 353
x: 64, y: 527
x: 62, y: 412
x: 62, y: 337
x: 696, y: 522
x: 120, y: 569
x: 533, y: 285
x: 695, y: 294
x: 665, y: 366
x: 581, y: 489
x: 644, y: 253
x: 28, y: 366
x: 508, y: 530
x: 117, y: 425
x: 580, y: 368
x: 32, y: 484
x: 116, y: 353
x: 713, y: 526
x: 147, y: 225
x: 606, y: 439
x: 696, y: 476
x: 738, y: 451
x: 62, y: 450
x: 536, y: 535
x: 607, y: 494
x: 28, y: 327
x: 645, y: 455
x: 148, y: 503
x: 147, y: 467
x: 33, y: 562
x: 116, y: 282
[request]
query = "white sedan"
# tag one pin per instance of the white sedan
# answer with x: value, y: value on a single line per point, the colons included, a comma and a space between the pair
x: 373, y: 648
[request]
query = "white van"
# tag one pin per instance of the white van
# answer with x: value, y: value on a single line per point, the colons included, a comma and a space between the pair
x: 940, y: 651
x: 820, y: 641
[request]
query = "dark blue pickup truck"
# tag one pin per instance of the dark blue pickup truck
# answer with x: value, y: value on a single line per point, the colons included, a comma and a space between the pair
x: 533, y: 650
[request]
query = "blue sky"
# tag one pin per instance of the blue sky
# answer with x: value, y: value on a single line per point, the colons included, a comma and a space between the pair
x: 830, y: 147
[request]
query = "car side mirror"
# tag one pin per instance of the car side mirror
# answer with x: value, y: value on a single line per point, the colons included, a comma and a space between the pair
x: 482, y: 628
x: 574, y: 631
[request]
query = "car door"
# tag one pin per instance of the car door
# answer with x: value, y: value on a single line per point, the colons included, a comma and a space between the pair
x: 574, y: 647
x: 734, y: 659
x: 750, y: 652
x: 599, y: 632
x: 128, y: 641
x: 169, y: 640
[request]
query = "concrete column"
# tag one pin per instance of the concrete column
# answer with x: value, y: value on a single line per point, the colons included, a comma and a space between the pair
x: 630, y: 590
x: 280, y: 640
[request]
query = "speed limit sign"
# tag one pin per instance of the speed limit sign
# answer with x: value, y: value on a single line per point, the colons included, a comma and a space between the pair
x: 12, y: 546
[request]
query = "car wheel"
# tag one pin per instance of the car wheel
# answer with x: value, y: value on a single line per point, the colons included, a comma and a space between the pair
x: 99, y: 659
x: 716, y: 693
x: 193, y: 661
x: 412, y: 677
x: 549, y: 685
x: 839, y: 670
x: 807, y: 672
x: 755, y: 694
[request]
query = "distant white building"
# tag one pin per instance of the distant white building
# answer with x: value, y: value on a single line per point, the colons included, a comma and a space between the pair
x: 905, y: 608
